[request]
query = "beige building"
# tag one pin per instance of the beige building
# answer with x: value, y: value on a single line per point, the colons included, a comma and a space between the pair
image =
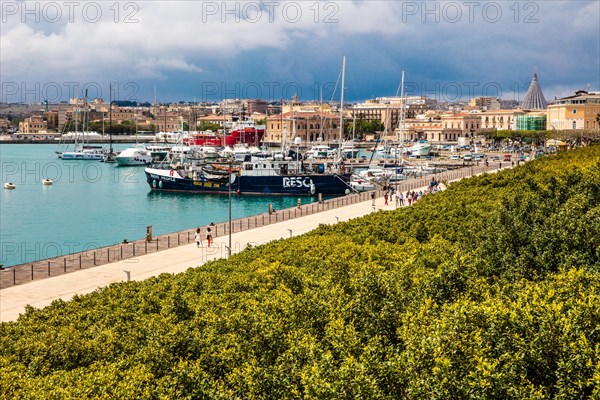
x: 388, y: 110
x: 310, y: 126
x: 575, y: 112
x: 500, y: 120
x: 483, y: 103
x: 220, y: 120
x: 459, y: 125
x: 33, y: 125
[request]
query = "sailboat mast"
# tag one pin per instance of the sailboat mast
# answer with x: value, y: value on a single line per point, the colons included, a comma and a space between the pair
x: 110, y: 116
x: 342, y: 107
x: 402, y: 110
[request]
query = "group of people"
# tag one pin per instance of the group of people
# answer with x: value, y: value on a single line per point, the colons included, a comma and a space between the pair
x: 391, y: 193
x: 410, y: 196
x: 198, y: 236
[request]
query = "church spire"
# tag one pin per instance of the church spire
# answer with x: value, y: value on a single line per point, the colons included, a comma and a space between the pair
x: 534, y: 99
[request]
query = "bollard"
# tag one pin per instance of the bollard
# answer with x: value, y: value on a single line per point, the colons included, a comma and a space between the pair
x: 48, y: 268
x: 31, y: 271
x: 128, y: 275
x: 14, y: 276
x: 65, y: 264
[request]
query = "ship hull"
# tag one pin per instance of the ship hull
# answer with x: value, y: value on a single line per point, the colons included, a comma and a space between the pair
x: 291, y: 185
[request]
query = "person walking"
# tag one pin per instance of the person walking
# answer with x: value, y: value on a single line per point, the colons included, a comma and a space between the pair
x: 208, y: 236
x: 198, y: 238
x: 373, y: 198
x: 385, y: 196
x: 401, y: 199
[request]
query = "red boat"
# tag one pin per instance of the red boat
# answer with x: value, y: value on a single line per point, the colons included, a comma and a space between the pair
x: 240, y: 132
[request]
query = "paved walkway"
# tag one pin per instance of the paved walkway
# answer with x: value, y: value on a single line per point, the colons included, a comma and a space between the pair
x: 41, y: 293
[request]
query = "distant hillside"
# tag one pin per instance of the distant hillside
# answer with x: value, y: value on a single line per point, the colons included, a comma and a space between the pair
x: 488, y: 290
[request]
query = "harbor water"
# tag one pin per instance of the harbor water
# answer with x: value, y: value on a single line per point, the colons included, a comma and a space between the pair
x: 93, y: 204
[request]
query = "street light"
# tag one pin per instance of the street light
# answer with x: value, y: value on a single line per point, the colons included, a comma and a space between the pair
x: 231, y: 179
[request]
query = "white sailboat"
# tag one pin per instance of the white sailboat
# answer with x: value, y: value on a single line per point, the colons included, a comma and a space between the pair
x: 83, y: 151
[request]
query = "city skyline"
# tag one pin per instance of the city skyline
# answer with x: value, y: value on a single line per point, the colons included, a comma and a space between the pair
x: 209, y: 51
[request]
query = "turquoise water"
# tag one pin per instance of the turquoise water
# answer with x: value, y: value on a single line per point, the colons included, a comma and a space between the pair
x: 93, y: 204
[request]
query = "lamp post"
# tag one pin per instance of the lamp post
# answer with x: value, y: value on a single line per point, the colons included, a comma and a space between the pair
x: 229, y: 194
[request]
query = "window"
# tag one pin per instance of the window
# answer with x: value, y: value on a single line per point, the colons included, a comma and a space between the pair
x: 574, y: 111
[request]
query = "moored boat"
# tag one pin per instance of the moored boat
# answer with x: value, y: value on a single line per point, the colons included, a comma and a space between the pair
x: 274, y: 176
x: 9, y: 185
x: 132, y: 156
x: 47, y: 181
x: 85, y: 153
x: 421, y: 148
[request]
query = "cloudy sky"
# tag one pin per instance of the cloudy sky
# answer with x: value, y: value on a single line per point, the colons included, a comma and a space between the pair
x: 210, y: 50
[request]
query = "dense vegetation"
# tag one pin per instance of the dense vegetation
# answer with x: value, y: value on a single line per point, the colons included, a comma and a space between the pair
x: 488, y: 290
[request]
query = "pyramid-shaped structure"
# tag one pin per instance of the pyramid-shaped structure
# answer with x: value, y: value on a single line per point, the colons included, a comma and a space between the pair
x: 534, y: 99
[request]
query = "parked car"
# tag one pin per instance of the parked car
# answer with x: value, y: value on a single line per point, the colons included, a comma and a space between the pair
x: 454, y: 157
x: 507, y: 157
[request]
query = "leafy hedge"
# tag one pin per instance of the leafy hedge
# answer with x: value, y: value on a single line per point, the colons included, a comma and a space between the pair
x: 490, y: 289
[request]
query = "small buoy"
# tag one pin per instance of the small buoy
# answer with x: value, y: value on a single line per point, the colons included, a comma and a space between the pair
x: 9, y: 185
x: 160, y: 184
x: 154, y: 183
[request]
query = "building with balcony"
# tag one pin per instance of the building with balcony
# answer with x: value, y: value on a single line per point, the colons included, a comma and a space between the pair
x: 388, y: 110
x: 579, y: 111
x: 309, y: 126
x: 33, y: 125
x: 499, y: 120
